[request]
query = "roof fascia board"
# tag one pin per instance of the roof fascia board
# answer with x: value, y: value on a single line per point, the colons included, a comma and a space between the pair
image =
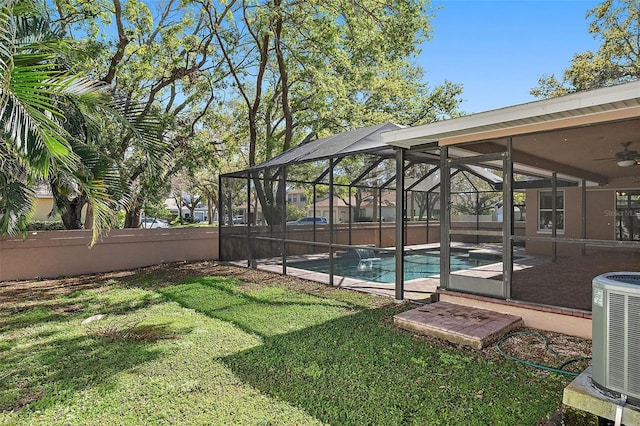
x: 425, y: 133
x: 557, y: 124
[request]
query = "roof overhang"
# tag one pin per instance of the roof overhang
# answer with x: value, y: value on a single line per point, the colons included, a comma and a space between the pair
x: 603, y: 105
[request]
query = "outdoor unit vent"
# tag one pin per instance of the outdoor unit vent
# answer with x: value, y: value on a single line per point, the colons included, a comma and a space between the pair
x: 616, y: 333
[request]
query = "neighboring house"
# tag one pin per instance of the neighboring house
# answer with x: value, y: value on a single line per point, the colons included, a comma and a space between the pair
x: 201, y: 213
x: 298, y: 198
x: 371, y: 208
x: 340, y: 209
x: 43, y: 202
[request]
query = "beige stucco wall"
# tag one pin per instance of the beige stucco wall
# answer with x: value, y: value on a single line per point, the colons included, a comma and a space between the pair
x: 42, y: 208
x: 600, y: 220
x: 67, y: 253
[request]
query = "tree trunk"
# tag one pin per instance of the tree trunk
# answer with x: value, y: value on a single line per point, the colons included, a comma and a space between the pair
x: 72, y: 213
x: 132, y: 215
x: 88, y: 219
x: 178, y: 201
x: 210, y: 209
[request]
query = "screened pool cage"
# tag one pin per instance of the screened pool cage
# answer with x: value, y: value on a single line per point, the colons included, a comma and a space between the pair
x: 526, y: 203
x: 332, y: 206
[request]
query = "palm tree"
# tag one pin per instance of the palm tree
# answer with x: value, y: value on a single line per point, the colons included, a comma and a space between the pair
x: 37, y: 95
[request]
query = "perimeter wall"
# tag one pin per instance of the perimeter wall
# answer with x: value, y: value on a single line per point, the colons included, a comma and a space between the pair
x: 48, y: 254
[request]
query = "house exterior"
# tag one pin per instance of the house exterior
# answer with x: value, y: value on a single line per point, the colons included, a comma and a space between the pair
x: 200, y: 214
x: 297, y: 197
x: 43, y: 202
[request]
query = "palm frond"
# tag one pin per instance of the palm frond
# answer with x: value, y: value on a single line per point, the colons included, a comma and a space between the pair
x: 7, y: 35
x: 16, y: 195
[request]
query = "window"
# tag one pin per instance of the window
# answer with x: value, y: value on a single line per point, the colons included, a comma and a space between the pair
x: 627, y: 215
x: 303, y: 198
x: 545, y: 199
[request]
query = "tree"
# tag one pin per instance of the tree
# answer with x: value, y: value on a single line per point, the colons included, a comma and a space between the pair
x: 472, y: 195
x: 162, y: 64
x: 616, y: 24
x: 37, y: 94
x: 321, y: 67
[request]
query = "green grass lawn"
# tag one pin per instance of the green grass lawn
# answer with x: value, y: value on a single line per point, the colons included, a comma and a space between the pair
x: 219, y: 351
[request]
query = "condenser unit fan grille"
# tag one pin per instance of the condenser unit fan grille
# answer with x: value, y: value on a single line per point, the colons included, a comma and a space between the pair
x: 623, y: 353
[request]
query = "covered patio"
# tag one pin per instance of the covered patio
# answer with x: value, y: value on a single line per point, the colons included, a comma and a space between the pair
x: 576, y: 160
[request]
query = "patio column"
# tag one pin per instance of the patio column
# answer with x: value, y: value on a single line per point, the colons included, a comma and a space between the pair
x: 250, y: 262
x: 350, y: 207
x: 331, y: 219
x: 584, y: 215
x: 507, y: 221
x: 283, y: 202
x: 379, y: 207
x: 399, y: 224
x: 445, y: 218
x: 314, y: 215
x: 220, y: 216
x: 554, y: 217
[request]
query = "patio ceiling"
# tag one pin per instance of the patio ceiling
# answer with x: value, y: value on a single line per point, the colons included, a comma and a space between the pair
x: 576, y: 135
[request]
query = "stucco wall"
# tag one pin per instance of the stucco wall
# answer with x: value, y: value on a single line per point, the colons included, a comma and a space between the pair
x: 600, y: 220
x: 67, y: 253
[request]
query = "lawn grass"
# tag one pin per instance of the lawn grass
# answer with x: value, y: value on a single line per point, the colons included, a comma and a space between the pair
x: 217, y: 350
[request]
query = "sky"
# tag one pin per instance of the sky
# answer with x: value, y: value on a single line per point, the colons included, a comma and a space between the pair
x: 497, y: 49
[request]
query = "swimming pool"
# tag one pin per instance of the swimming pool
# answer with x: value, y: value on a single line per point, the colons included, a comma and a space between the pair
x: 383, y: 269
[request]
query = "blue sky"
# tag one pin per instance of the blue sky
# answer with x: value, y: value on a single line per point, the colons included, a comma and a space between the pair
x: 498, y: 49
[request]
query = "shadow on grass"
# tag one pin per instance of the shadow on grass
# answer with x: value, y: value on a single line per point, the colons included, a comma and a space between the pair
x: 348, y: 365
x: 263, y: 311
x: 359, y: 369
x: 49, y: 373
x: 47, y: 355
x: 75, y: 305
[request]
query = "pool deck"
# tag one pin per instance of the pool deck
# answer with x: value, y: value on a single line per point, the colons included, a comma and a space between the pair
x: 420, y: 290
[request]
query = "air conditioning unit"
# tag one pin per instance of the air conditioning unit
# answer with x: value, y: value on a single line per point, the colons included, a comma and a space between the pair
x: 616, y: 334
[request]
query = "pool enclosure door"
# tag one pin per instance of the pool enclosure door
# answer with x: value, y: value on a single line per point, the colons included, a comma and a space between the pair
x: 477, y: 250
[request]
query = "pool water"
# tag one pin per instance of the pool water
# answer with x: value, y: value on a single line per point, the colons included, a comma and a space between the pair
x: 383, y: 270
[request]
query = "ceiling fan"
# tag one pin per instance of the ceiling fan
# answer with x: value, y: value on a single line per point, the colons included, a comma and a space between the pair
x: 625, y: 158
